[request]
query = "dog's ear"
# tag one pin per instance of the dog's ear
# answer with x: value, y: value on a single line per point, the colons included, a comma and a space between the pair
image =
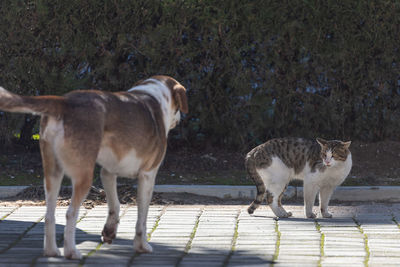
x: 180, y: 98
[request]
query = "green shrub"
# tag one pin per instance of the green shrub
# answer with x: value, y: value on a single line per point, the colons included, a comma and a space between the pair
x: 253, y: 69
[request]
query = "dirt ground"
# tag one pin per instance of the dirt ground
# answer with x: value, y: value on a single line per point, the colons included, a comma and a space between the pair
x: 373, y: 164
x: 34, y: 196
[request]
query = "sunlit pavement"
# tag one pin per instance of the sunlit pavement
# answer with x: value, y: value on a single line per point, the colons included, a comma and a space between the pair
x: 212, y: 235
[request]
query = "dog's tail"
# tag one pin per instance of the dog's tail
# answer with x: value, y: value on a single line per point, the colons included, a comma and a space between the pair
x: 37, y: 105
x: 253, y: 174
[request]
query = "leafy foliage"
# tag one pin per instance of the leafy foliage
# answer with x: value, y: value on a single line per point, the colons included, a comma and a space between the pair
x: 253, y: 69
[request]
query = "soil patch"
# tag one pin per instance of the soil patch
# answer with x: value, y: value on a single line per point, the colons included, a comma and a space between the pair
x: 34, y: 196
x: 373, y: 164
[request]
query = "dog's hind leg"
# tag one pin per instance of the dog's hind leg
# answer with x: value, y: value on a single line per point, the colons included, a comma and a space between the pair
x: 81, y: 183
x: 78, y: 150
x: 146, y: 181
x: 109, y: 182
x: 53, y: 175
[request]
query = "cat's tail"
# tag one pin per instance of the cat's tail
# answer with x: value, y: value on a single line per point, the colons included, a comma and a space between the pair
x: 253, y: 174
x: 37, y: 105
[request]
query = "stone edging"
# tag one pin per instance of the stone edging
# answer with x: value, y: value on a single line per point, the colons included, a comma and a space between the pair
x: 342, y: 193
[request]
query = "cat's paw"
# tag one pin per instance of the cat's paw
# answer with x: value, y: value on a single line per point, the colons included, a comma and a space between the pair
x: 311, y: 215
x: 283, y: 214
x: 326, y: 215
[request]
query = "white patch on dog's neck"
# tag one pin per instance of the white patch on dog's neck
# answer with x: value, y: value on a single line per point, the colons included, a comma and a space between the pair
x: 161, y: 92
x: 4, y: 93
x: 123, y: 98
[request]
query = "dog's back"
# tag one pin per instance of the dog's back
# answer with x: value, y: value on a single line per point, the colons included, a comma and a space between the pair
x: 86, y: 122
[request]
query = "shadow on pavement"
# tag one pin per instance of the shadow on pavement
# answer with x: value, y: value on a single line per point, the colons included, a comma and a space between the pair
x: 21, y: 243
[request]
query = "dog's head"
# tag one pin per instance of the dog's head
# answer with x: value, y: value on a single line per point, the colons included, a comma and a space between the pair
x: 172, y: 93
x: 178, y: 101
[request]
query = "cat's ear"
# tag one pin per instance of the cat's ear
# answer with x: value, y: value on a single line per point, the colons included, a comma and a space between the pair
x: 322, y: 142
x: 346, y: 144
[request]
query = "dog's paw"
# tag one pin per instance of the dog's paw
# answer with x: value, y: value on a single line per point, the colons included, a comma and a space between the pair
x: 142, y: 247
x: 326, y: 215
x: 108, y: 234
x: 54, y: 252
x: 72, y: 254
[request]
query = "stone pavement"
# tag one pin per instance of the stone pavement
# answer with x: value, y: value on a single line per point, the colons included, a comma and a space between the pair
x: 213, y: 235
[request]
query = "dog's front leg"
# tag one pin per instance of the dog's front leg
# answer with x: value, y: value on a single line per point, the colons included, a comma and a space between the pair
x: 109, y: 182
x: 144, y: 194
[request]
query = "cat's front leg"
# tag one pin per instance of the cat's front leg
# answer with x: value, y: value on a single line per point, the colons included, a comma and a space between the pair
x: 310, y: 191
x: 325, y: 194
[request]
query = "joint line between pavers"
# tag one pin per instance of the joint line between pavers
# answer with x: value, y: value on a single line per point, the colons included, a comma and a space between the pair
x: 8, y: 214
x: 236, y: 233
x: 82, y: 216
x: 90, y: 253
x: 321, y: 242
x: 234, y: 239
x: 395, y: 221
x: 61, y: 239
x: 21, y: 236
x: 278, y: 241
x: 192, y: 235
x: 156, y: 223
x: 365, y: 236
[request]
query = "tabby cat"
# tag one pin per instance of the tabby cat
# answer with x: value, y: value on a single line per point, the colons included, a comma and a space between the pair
x: 321, y: 164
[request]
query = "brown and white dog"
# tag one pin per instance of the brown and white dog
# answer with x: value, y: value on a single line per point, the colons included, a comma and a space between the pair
x: 124, y: 132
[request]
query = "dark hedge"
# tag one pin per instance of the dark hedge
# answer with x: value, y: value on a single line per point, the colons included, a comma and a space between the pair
x: 253, y: 69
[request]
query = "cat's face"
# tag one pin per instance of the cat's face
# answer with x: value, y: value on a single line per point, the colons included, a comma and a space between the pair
x: 333, y: 151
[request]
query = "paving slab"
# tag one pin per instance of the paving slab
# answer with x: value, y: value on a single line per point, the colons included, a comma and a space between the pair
x: 212, y: 235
